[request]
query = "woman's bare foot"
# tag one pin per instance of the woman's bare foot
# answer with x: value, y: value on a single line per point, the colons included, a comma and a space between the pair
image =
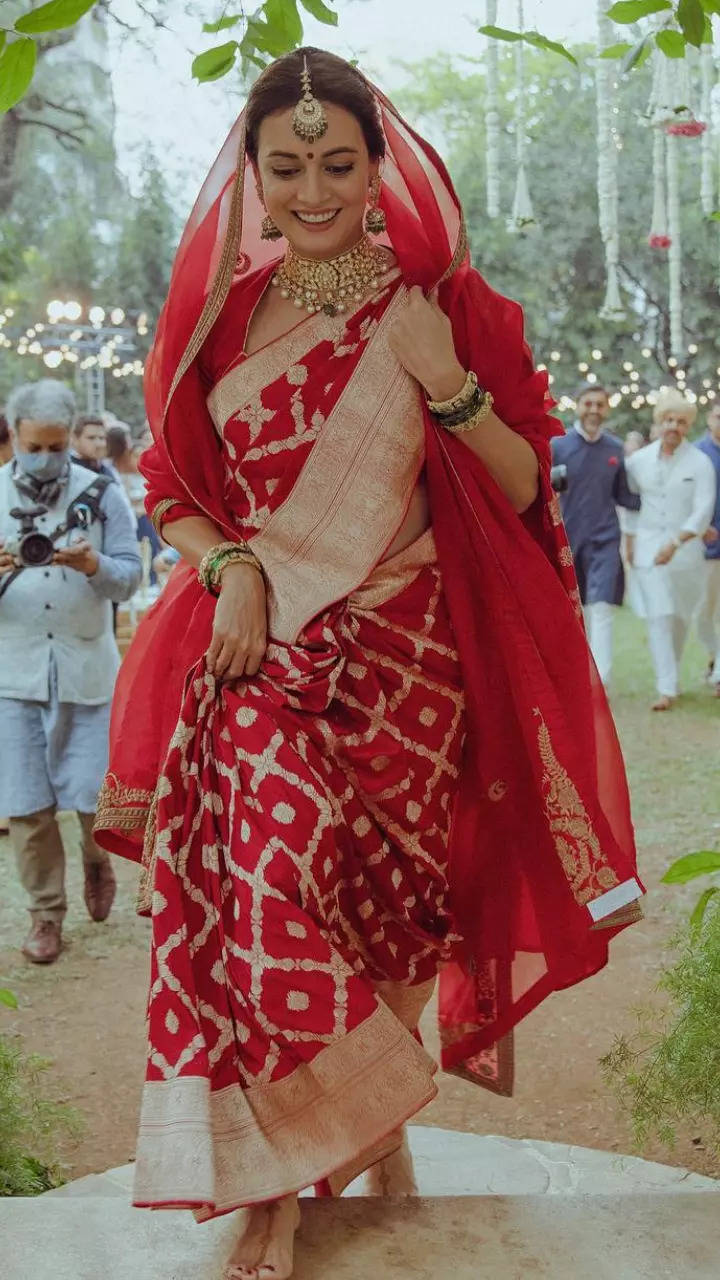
x: 393, y: 1176
x: 663, y: 703
x: 264, y: 1249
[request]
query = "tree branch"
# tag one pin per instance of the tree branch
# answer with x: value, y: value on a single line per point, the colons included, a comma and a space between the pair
x: 64, y: 136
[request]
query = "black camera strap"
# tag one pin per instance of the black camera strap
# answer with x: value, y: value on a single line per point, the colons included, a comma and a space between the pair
x: 89, y: 499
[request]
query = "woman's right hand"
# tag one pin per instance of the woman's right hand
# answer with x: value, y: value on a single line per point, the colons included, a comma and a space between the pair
x: 239, y: 636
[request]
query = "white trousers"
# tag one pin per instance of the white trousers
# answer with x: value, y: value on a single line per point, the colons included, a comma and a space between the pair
x: 667, y: 635
x: 599, y: 627
x: 708, y: 620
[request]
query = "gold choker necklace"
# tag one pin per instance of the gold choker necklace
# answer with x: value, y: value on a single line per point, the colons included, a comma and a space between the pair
x: 331, y: 286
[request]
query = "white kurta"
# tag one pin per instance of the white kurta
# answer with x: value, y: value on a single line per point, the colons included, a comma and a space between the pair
x: 678, y: 496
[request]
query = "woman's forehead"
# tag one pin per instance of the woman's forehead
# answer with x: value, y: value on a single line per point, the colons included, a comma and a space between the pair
x: 276, y: 136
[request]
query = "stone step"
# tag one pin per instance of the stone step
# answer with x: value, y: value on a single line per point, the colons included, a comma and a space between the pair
x: 560, y: 1237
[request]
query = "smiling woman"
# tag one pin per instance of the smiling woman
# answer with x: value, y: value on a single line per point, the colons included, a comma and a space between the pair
x: 364, y: 743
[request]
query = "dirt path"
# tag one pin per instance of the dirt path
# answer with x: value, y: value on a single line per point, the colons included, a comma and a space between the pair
x: 86, y: 1013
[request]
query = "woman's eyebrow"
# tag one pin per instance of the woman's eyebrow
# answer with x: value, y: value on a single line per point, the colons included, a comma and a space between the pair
x: 293, y: 155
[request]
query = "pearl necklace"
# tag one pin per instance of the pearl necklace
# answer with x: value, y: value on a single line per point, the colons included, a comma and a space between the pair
x: 330, y: 286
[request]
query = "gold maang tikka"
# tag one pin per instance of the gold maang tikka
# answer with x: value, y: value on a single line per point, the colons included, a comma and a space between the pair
x: 309, y: 121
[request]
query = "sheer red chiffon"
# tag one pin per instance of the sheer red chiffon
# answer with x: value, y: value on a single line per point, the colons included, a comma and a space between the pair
x: 542, y: 863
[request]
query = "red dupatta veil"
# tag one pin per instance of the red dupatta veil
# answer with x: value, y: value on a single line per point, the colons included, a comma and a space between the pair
x: 542, y: 862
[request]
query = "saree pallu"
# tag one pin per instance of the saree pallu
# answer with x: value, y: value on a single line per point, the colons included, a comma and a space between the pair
x: 301, y: 824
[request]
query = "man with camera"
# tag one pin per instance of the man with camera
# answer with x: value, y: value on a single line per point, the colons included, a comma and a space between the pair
x: 594, y: 484
x: 67, y: 550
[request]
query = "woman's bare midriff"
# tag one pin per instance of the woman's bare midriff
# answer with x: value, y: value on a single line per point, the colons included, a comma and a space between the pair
x: 415, y: 523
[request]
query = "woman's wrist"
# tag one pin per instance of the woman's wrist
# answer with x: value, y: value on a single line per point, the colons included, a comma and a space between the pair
x: 447, y: 384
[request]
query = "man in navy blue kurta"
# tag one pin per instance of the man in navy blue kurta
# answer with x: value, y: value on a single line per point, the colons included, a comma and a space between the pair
x: 597, y: 484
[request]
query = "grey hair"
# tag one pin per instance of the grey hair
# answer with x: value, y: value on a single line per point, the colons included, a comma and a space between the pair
x: 45, y: 401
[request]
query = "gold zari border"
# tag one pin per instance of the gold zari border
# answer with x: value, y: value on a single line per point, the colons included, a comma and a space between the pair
x: 217, y: 1150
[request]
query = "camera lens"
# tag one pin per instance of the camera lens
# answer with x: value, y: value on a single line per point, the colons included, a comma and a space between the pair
x: 35, y: 549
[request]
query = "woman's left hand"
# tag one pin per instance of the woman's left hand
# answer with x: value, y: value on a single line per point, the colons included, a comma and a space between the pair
x: 422, y: 340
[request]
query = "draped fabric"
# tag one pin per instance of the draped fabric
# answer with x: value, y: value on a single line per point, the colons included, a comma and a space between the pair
x: 541, y: 861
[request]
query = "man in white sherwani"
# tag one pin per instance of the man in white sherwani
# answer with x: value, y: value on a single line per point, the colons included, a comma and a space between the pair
x: 677, y: 488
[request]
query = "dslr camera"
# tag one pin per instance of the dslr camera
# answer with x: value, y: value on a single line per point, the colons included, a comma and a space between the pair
x: 559, y: 477
x: 30, y: 547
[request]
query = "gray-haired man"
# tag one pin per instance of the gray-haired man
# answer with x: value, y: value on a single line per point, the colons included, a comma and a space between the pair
x: 58, y: 657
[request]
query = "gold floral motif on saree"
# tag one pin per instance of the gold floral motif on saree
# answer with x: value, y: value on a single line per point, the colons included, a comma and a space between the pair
x: 575, y: 839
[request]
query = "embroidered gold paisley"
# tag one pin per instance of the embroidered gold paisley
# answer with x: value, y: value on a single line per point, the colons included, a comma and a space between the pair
x: 576, y: 842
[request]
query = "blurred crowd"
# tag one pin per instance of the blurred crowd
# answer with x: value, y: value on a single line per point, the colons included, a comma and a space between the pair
x: 642, y: 516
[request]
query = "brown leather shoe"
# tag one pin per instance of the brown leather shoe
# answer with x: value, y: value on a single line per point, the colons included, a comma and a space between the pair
x: 100, y: 889
x: 43, y: 942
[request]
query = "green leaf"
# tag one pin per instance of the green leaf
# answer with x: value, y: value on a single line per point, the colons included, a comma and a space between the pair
x: 17, y: 67
x: 671, y: 43
x: 284, y: 23
x: 715, y: 216
x: 638, y: 55
x: 534, y: 38
x: 500, y: 33
x: 222, y: 24
x: 319, y: 10
x: 691, y: 17
x: 693, y: 864
x: 53, y: 16
x: 551, y: 46
x: 2, y: 40
x: 633, y: 10
x: 8, y: 999
x: 698, y: 914
x: 616, y: 50
x: 216, y: 62
x: 711, y: 6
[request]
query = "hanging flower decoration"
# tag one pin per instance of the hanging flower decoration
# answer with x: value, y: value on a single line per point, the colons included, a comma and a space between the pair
x: 492, y: 118
x: 659, y: 238
x: 523, y: 215
x: 707, y: 63
x: 686, y: 129
x: 607, y: 174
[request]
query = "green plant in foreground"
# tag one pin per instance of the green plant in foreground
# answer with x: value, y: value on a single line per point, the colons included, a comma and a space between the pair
x: 29, y: 1123
x: 669, y: 1071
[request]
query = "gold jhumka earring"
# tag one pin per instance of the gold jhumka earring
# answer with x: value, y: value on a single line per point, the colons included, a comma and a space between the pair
x: 269, y: 230
x: 309, y: 121
x: 375, y: 222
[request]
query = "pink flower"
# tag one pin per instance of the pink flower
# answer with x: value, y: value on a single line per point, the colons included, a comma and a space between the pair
x: 686, y: 128
x: 659, y: 242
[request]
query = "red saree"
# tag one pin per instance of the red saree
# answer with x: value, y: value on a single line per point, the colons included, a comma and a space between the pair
x: 425, y: 771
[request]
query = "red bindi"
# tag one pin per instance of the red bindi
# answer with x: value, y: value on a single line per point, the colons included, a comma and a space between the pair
x: 310, y: 155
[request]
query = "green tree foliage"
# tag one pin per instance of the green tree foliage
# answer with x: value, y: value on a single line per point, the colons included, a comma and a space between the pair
x: 557, y: 269
x: 276, y: 27
x: 668, y: 1072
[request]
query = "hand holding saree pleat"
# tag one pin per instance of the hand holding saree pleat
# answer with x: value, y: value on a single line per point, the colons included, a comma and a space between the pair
x: 423, y: 776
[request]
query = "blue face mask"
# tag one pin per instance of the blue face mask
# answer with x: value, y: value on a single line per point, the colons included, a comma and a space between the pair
x: 42, y: 466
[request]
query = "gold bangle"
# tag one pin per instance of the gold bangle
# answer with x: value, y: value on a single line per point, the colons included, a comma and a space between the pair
x: 475, y: 419
x: 159, y: 512
x: 444, y: 408
x: 218, y: 557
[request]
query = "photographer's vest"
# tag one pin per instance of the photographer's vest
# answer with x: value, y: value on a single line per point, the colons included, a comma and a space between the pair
x: 55, y: 612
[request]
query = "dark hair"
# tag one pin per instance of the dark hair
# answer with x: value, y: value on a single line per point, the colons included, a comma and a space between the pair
x: 87, y: 420
x: 117, y: 442
x: 4, y: 430
x: 587, y: 387
x: 332, y: 80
